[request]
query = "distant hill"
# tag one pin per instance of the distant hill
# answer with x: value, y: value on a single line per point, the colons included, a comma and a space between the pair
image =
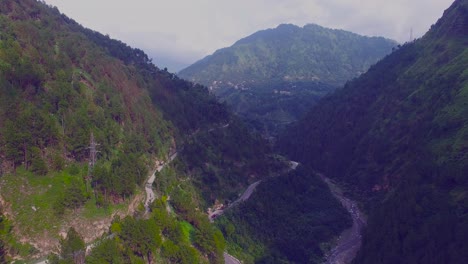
x: 398, y: 138
x: 272, y: 76
x: 289, y: 53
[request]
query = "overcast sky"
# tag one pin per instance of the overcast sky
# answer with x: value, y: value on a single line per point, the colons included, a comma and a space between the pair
x: 176, y: 33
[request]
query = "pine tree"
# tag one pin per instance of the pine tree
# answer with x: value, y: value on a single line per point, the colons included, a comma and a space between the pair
x: 73, y: 247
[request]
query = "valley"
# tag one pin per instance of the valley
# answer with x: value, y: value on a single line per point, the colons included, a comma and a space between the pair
x: 242, y: 198
x: 107, y: 158
x: 274, y: 76
x: 349, y: 242
x: 396, y: 139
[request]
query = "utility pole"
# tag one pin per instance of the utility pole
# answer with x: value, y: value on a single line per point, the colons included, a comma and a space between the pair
x: 92, y: 157
x: 92, y: 151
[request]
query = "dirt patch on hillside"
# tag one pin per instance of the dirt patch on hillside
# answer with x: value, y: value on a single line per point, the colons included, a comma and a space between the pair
x: 89, y: 229
x: 5, y: 207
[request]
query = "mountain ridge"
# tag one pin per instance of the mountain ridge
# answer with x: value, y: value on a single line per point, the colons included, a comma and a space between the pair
x: 64, y: 88
x: 269, y: 36
x: 396, y: 138
x: 270, y: 77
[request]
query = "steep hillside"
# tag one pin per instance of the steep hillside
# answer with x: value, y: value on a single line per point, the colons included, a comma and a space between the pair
x: 289, y: 219
x: 271, y: 77
x: 398, y: 138
x: 62, y: 85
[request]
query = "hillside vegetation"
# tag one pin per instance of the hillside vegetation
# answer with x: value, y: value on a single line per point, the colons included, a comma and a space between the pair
x: 289, y: 52
x: 273, y: 76
x: 289, y: 219
x: 397, y: 137
x: 61, y: 84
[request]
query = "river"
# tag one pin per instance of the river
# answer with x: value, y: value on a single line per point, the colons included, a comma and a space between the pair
x: 350, y: 240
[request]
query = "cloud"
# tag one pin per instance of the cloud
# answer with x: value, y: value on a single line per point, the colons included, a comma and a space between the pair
x: 187, y: 30
x: 393, y: 19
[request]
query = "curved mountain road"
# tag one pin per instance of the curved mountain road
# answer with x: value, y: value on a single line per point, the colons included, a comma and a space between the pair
x: 244, y: 197
x: 149, y: 183
x: 228, y: 259
x: 150, y: 196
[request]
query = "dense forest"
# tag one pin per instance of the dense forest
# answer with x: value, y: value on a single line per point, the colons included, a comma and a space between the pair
x: 397, y: 139
x: 289, y: 219
x: 289, y: 52
x: 62, y: 87
x: 272, y: 77
x: 86, y: 119
x: 270, y: 107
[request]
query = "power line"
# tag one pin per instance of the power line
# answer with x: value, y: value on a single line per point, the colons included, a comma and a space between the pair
x: 92, y: 157
x: 92, y: 151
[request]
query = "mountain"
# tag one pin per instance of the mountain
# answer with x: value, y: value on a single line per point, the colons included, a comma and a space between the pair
x: 397, y: 137
x: 292, y: 53
x: 67, y: 92
x: 271, y: 77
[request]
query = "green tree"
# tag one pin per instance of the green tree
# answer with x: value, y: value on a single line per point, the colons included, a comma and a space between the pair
x: 210, y: 241
x: 11, y: 142
x: 38, y: 166
x: 72, y: 248
x: 188, y: 254
x: 106, y: 252
x: 73, y: 197
x: 142, y: 237
x: 170, y: 251
x: 16, y: 141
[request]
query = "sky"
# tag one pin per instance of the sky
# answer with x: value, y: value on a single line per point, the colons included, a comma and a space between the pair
x: 176, y: 33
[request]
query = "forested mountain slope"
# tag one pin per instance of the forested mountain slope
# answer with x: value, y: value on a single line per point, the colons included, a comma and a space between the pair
x: 273, y: 76
x: 289, y: 219
x: 398, y: 138
x: 60, y: 84
x: 289, y: 52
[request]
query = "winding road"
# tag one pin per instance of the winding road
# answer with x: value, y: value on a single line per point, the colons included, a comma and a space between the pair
x: 244, y: 197
x: 149, y: 183
x: 228, y: 259
x: 150, y: 196
x: 350, y: 240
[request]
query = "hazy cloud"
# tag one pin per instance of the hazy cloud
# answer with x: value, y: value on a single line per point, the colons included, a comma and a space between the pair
x: 176, y: 33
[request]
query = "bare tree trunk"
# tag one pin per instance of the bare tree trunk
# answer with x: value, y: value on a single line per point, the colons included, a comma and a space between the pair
x: 63, y: 125
x: 149, y: 257
x: 79, y: 257
x: 25, y: 153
